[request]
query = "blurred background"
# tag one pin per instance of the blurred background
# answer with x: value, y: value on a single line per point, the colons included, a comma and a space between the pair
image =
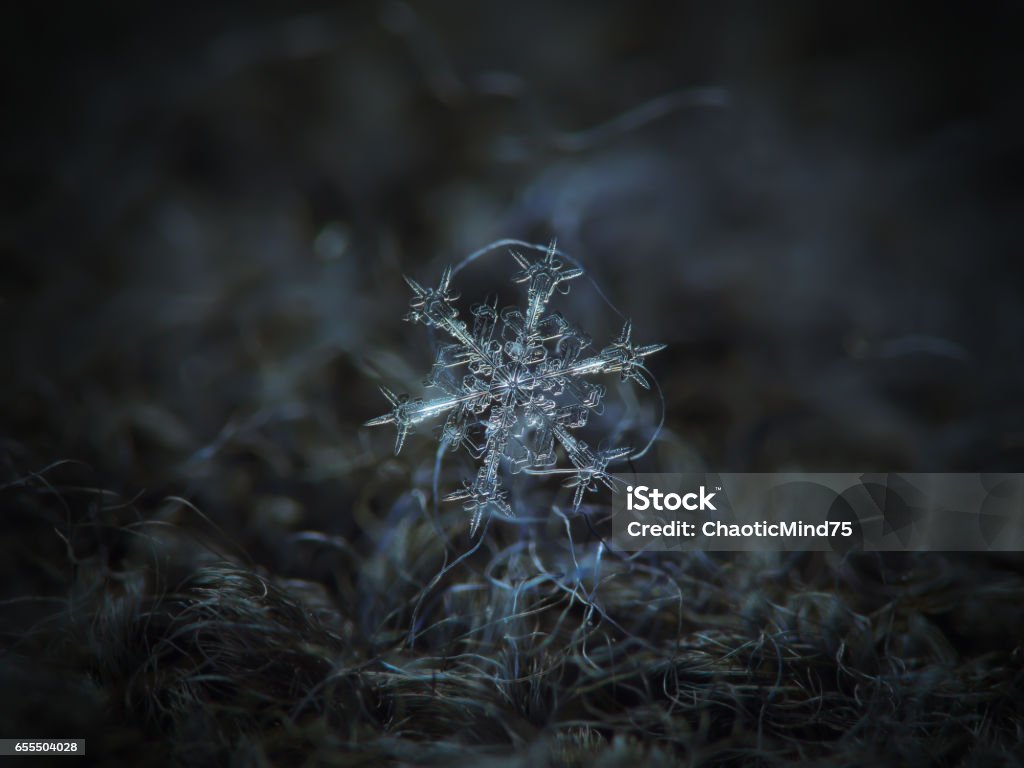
x: 206, y: 211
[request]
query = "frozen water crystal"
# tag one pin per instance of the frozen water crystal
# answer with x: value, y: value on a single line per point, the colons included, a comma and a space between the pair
x: 514, y: 386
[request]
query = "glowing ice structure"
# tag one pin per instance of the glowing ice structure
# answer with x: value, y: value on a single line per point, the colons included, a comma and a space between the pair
x: 524, y: 389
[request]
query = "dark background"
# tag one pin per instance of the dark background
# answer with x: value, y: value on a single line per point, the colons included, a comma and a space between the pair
x: 206, y: 210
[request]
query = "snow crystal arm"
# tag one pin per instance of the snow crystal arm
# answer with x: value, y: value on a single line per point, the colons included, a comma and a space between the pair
x: 543, y: 277
x: 408, y: 412
x: 590, y: 467
x: 435, y: 307
x: 486, y: 488
x: 622, y: 356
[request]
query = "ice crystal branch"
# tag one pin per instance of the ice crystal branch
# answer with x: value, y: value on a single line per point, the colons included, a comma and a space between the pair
x: 513, y: 387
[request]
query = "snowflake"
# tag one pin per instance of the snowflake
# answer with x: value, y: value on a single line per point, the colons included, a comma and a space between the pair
x: 523, y: 388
